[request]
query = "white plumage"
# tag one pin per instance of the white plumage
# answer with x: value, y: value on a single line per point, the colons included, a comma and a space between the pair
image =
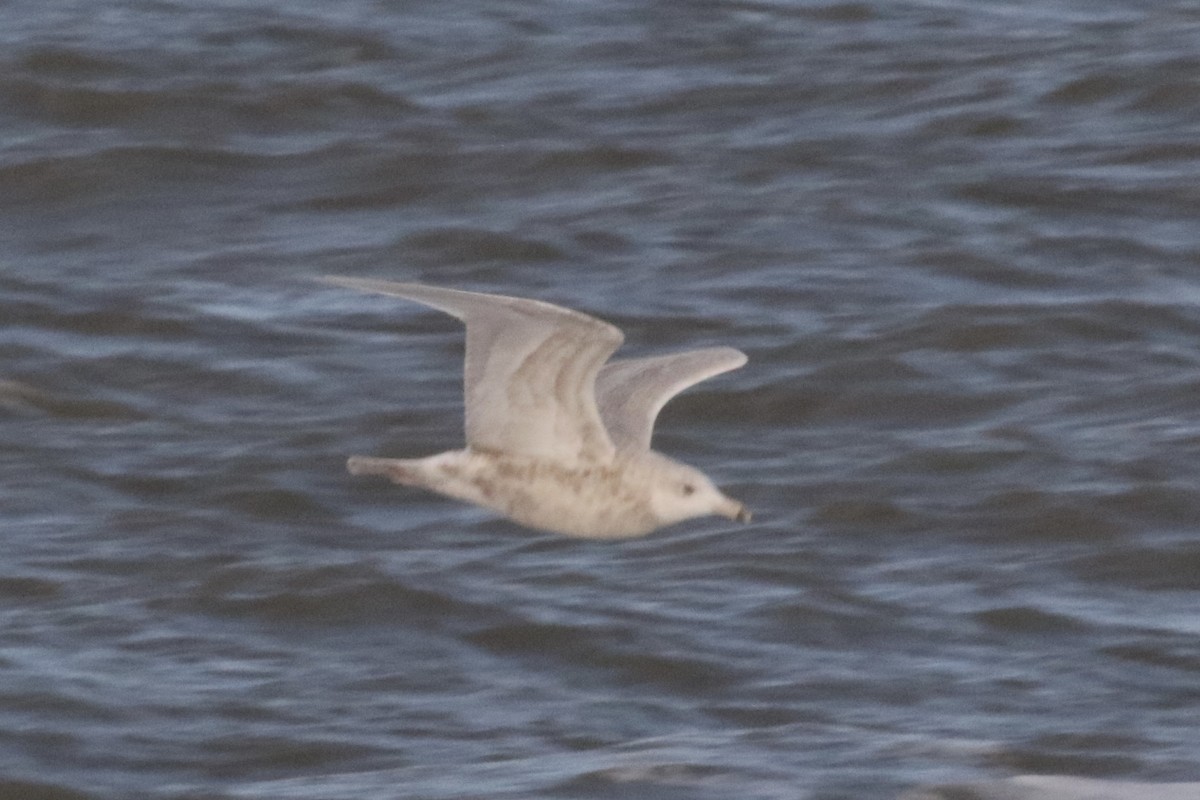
x: 556, y: 438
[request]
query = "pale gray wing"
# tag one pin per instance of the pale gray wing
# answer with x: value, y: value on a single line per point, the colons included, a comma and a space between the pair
x: 530, y: 374
x: 631, y: 392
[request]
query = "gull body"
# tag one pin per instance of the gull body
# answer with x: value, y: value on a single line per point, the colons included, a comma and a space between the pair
x: 558, y: 439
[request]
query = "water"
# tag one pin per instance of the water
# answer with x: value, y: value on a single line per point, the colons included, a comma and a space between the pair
x: 959, y: 242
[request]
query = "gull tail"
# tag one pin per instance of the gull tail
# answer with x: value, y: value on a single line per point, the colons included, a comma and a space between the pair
x: 397, y: 470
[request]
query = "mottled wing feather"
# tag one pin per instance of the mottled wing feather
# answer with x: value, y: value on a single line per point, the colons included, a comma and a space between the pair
x: 530, y: 372
x: 631, y: 392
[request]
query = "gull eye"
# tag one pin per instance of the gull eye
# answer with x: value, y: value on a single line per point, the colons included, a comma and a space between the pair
x: 688, y: 490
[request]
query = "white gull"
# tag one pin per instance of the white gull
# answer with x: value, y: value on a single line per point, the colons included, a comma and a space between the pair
x: 557, y: 439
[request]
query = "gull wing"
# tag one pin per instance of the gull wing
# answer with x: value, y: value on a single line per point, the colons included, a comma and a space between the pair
x: 631, y: 392
x: 530, y: 374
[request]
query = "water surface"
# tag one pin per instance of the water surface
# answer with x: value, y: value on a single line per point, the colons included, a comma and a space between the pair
x: 957, y: 240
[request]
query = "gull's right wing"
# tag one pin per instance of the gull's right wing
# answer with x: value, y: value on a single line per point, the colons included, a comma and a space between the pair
x: 630, y: 392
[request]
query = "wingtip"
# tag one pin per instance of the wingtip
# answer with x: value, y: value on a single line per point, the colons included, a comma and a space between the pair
x: 733, y: 357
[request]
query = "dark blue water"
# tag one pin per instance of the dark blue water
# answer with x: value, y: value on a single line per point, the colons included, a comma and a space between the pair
x: 959, y: 242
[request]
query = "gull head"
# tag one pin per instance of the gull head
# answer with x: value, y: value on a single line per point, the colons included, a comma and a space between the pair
x: 680, y: 492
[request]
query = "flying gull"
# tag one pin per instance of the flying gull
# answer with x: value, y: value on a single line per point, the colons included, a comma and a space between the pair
x: 557, y: 439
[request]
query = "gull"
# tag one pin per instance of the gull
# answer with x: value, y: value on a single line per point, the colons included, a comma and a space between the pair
x: 557, y: 439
